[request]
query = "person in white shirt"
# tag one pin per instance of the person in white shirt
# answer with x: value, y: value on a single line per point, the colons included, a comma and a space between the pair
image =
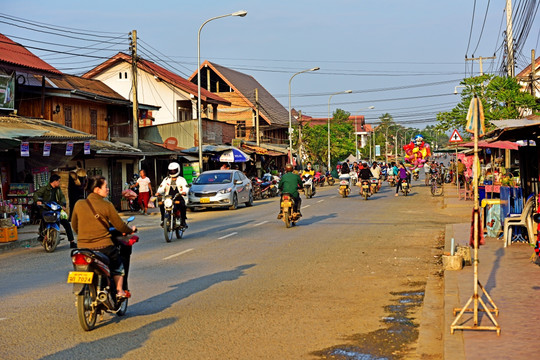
x: 145, y: 191
x: 172, y: 185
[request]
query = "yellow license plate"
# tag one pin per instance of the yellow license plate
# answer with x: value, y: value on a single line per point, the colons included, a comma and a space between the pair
x: 80, y: 277
x: 205, y: 200
x: 286, y: 204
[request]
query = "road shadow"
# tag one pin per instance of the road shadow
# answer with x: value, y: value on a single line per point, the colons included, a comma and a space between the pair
x: 159, y: 303
x: 215, y: 229
x: 315, y: 219
x: 109, y: 348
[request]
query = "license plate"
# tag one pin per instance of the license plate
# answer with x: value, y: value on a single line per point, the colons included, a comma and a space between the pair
x: 80, y: 277
x: 286, y: 204
x: 205, y: 200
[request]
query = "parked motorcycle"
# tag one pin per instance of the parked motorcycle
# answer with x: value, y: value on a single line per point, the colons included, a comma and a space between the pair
x: 256, y: 188
x: 309, y: 188
x: 93, y: 285
x: 172, y: 219
x: 49, y: 229
x: 268, y: 186
x: 131, y: 197
x: 287, y: 215
x: 365, y: 191
x: 344, y: 185
x: 330, y: 179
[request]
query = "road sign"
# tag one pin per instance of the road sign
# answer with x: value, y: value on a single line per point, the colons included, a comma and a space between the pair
x: 455, y: 137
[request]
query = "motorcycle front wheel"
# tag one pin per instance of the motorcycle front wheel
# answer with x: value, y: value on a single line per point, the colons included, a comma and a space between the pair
x: 87, y: 316
x: 179, y: 233
x: 167, y: 229
x: 50, y: 240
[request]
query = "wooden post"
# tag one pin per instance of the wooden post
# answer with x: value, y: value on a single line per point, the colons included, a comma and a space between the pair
x: 257, y: 116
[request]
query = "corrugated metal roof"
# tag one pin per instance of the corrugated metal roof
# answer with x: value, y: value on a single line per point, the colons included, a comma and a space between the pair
x: 270, y: 109
x: 85, y: 87
x: 14, y: 53
x: 163, y: 74
x: 31, y: 129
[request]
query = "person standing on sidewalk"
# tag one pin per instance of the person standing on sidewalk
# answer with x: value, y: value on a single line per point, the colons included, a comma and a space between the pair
x: 52, y: 192
x: 145, y: 191
x: 461, y: 172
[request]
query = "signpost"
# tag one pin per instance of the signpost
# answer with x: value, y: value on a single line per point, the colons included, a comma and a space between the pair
x: 456, y: 138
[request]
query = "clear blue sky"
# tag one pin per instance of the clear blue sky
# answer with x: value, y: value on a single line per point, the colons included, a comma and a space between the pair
x: 390, y: 53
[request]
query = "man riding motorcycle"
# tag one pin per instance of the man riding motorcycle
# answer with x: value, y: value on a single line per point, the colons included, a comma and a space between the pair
x: 289, y: 184
x: 172, y: 185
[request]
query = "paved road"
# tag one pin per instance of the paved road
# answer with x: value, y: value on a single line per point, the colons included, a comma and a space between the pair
x: 242, y: 286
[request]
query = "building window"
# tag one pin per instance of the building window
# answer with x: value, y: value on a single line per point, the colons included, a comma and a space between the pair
x: 93, y: 122
x: 125, y: 75
x: 67, y: 117
x: 240, y: 129
x: 120, y: 75
x: 184, y: 110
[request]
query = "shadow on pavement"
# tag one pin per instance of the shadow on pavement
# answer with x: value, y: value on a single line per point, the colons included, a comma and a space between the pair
x: 109, y: 348
x: 184, y: 290
x: 315, y: 219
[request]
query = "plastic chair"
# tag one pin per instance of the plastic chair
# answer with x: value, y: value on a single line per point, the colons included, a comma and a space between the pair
x: 524, y: 219
x: 466, y: 193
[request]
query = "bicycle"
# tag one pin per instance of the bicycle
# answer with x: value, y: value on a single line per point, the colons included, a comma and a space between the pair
x: 437, y: 188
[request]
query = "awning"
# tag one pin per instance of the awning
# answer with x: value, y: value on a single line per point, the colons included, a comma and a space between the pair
x: 494, y: 145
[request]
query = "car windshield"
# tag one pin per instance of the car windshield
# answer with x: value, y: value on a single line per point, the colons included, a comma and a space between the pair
x: 213, y: 178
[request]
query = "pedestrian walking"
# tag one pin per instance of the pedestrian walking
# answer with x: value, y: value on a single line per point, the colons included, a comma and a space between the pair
x: 145, y: 191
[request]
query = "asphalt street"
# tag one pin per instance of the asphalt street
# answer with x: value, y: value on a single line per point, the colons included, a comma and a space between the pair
x: 239, y: 285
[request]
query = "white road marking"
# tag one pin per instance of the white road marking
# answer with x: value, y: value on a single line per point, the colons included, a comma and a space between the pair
x: 320, y: 201
x: 177, y: 254
x: 228, y: 235
x: 3, y: 319
x: 331, y: 197
x: 303, y: 207
x: 264, y: 222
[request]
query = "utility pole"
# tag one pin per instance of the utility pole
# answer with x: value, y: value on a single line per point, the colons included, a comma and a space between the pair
x: 134, y: 89
x: 480, y: 59
x: 509, y: 39
x: 300, y: 134
x: 532, y: 74
x: 257, y: 116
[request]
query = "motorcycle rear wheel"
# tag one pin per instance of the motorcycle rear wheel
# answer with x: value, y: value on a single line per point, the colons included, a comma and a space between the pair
x: 331, y: 182
x: 287, y: 215
x: 50, y: 241
x: 123, y: 308
x: 179, y: 233
x: 365, y: 195
x: 87, y: 317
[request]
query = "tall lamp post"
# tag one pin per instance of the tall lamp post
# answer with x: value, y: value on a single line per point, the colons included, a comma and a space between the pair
x: 356, y: 129
x: 290, y: 116
x: 240, y: 13
x: 330, y: 98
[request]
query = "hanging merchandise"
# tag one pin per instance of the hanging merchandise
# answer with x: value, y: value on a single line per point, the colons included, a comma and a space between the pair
x: 47, y: 149
x: 69, y: 149
x: 87, y: 148
x: 25, y: 149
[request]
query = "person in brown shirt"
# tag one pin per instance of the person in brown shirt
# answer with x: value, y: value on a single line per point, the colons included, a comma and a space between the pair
x: 93, y: 234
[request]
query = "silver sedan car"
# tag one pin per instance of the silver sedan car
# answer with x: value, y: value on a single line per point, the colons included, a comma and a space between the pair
x: 220, y: 188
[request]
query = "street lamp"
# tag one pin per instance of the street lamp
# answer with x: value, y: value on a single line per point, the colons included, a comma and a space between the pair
x: 330, y: 98
x: 290, y: 116
x: 356, y: 128
x: 240, y: 13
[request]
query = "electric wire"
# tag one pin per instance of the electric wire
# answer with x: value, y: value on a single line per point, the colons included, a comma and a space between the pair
x: 471, y: 29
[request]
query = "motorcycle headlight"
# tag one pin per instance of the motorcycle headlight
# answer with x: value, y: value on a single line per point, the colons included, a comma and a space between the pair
x: 55, y: 207
x: 168, y: 202
x: 225, y: 191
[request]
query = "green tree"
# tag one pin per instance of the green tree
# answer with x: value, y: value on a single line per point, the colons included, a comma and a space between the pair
x: 315, y: 139
x: 501, y: 98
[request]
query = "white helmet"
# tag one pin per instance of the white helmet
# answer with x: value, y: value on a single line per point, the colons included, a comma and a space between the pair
x: 174, y: 169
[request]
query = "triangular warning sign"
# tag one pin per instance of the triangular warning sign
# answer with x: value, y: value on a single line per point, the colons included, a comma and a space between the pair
x: 455, y: 137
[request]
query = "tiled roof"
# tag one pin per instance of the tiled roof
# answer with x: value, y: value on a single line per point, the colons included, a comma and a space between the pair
x: 525, y: 72
x: 31, y: 129
x: 14, y: 53
x: 163, y: 74
x: 270, y: 109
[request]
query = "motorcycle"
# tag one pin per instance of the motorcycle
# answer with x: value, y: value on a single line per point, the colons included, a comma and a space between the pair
x: 50, y: 225
x: 287, y: 206
x: 319, y: 179
x: 391, y: 180
x: 256, y: 186
x: 172, y: 219
x: 330, y: 179
x: 405, y: 187
x: 415, y: 174
x: 365, y: 191
x: 374, y: 185
x: 131, y: 197
x: 354, y: 178
x: 93, y: 285
x: 268, y: 186
x: 307, y: 181
x: 344, y: 185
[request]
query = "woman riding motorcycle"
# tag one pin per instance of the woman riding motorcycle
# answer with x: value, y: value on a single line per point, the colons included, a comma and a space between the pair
x: 93, y: 234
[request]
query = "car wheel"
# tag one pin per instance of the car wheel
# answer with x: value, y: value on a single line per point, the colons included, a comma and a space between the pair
x: 250, y: 200
x: 234, y: 204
